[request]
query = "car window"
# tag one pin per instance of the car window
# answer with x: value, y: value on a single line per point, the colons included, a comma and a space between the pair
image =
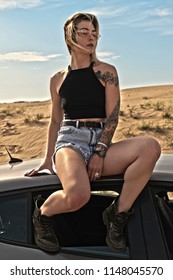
x: 13, y: 218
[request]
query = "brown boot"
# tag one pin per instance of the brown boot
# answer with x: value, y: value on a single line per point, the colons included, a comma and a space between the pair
x: 45, y: 237
x: 115, y: 224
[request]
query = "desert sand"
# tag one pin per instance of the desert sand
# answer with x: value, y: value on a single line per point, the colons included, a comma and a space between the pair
x: 144, y: 111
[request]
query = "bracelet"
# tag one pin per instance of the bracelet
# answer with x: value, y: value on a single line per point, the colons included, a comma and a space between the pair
x: 102, y: 144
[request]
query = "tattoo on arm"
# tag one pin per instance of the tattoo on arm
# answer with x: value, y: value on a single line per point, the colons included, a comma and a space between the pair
x: 112, y: 122
x: 110, y: 126
x: 108, y: 78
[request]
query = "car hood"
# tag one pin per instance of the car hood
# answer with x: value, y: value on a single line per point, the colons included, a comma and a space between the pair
x: 12, y: 176
x: 164, y: 165
x: 18, y: 169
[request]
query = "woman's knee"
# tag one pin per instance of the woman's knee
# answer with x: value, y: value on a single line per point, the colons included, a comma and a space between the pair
x: 76, y: 199
x: 151, y: 148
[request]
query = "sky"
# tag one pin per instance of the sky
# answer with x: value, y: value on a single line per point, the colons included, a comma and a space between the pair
x: 136, y: 37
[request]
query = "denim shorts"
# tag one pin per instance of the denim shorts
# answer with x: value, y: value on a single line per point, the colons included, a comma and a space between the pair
x: 82, y: 140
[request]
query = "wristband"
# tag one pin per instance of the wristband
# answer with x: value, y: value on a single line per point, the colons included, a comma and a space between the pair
x: 102, y: 144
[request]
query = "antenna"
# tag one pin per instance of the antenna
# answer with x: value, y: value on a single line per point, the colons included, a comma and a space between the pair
x: 12, y: 159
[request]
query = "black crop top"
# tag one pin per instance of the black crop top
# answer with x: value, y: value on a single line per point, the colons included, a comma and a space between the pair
x: 82, y: 95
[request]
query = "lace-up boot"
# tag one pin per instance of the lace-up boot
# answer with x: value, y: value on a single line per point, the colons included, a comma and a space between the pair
x: 116, y: 224
x: 45, y: 237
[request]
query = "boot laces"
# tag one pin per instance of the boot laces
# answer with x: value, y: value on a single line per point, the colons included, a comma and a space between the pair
x: 117, y: 225
x: 46, y: 227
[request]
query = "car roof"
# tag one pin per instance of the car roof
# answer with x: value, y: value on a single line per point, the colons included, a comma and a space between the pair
x: 13, y: 177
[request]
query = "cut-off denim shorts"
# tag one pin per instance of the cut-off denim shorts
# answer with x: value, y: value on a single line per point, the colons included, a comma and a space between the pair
x: 82, y: 140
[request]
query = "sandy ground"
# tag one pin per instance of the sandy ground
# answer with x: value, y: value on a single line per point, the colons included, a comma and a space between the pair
x: 144, y: 111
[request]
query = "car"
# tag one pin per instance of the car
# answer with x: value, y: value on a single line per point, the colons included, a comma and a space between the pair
x: 82, y: 233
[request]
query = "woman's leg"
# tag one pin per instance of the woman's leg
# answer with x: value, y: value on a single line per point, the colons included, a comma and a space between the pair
x: 136, y: 158
x: 72, y: 172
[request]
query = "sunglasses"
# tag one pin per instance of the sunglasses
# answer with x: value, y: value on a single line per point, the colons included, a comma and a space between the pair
x: 87, y: 34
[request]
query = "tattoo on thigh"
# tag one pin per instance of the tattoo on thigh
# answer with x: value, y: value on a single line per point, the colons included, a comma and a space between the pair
x: 108, y: 78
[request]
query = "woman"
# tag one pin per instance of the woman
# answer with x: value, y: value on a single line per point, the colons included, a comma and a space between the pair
x: 85, y: 109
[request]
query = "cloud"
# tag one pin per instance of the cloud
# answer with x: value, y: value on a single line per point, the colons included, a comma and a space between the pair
x: 12, y: 4
x: 107, y: 55
x: 28, y: 4
x: 164, y: 12
x: 146, y: 16
x: 107, y: 12
x: 4, y: 67
x: 27, y: 56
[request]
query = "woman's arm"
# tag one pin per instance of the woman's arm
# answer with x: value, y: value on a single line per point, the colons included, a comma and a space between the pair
x: 112, y: 93
x: 54, y: 125
x: 56, y: 117
x: 108, y: 75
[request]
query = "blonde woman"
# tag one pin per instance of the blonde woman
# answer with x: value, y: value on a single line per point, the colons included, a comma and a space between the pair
x: 85, y: 110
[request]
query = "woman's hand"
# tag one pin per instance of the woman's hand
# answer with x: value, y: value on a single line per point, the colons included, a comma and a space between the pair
x: 95, y: 167
x: 47, y: 164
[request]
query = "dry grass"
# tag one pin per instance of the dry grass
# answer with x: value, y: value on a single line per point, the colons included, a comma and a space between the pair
x: 144, y: 111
